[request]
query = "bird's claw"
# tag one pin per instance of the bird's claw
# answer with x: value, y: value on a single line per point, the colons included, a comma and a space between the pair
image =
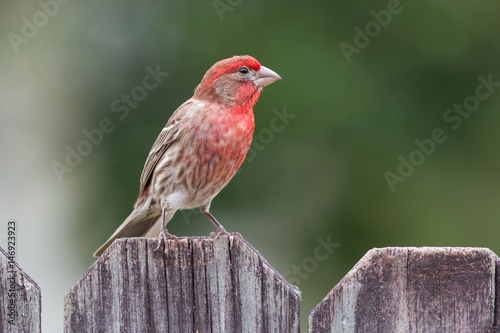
x: 232, y: 235
x: 235, y: 234
x: 219, y: 232
x: 158, y: 244
x: 164, y: 237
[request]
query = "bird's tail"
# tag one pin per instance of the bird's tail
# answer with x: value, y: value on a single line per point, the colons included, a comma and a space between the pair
x: 137, y: 225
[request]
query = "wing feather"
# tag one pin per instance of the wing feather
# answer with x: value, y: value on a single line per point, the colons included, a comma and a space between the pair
x: 165, y: 139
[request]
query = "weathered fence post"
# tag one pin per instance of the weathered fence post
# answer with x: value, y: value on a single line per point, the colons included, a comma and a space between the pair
x: 427, y: 290
x: 202, y: 284
x: 20, y: 298
x: 195, y: 284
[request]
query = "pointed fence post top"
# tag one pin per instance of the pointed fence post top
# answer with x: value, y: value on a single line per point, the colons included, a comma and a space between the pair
x: 207, y: 284
x: 413, y: 290
x: 20, y: 298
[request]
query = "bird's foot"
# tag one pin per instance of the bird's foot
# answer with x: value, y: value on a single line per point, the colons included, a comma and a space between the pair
x: 164, y: 237
x: 219, y: 232
x: 232, y: 235
x: 235, y: 234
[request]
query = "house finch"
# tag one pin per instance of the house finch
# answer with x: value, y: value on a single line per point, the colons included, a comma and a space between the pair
x: 200, y: 149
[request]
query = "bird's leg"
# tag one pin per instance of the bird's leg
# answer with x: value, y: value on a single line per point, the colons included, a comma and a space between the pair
x: 219, y: 228
x: 164, y: 234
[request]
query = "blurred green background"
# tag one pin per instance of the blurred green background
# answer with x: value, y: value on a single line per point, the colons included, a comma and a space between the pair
x: 322, y: 175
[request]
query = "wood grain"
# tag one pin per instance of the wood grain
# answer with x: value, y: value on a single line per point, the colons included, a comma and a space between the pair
x: 195, y: 284
x: 20, y: 299
x: 442, y: 290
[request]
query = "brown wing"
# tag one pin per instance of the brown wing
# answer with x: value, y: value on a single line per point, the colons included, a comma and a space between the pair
x: 167, y: 136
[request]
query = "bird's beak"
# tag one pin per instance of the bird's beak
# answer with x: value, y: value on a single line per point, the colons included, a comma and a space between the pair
x: 265, y: 77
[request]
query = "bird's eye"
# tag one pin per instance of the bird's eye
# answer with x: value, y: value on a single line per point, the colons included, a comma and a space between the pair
x: 243, y: 70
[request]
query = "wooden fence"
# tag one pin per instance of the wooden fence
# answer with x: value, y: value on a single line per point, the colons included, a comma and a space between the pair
x: 201, y: 284
x: 20, y: 298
